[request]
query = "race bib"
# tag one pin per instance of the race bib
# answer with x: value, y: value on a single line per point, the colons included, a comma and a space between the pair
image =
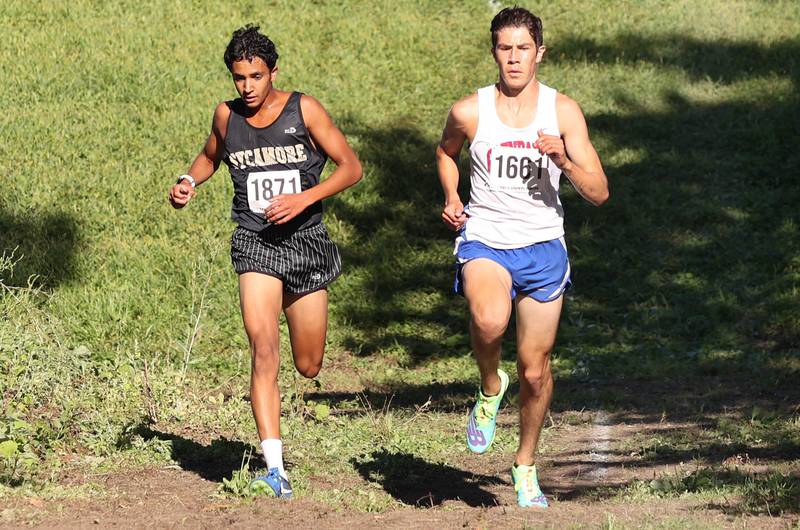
x: 262, y: 186
x: 514, y: 168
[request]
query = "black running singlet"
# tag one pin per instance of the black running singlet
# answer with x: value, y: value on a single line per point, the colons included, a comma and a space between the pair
x: 268, y: 161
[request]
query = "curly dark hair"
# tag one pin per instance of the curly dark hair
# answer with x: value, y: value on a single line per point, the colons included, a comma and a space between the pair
x: 518, y: 17
x: 247, y: 43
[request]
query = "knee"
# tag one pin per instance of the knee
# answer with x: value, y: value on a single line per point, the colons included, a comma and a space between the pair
x: 309, y: 368
x: 537, y: 378
x: 490, y: 323
x: 266, y: 357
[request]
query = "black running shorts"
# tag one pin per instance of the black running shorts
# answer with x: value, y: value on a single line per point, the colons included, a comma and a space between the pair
x: 305, y: 260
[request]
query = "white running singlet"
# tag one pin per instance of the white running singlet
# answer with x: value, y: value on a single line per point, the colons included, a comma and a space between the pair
x: 513, y: 199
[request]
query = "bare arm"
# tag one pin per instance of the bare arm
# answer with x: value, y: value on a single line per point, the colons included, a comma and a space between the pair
x: 330, y: 139
x: 207, y: 160
x: 574, y: 153
x: 460, y: 127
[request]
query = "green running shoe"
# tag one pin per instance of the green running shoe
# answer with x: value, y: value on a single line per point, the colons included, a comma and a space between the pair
x: 526, y: 484
x: 483, y: 418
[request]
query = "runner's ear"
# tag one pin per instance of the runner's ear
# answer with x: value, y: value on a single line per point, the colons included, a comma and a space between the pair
x: 540, y: 53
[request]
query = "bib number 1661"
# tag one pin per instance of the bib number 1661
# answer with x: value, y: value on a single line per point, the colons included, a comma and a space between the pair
x: 510, y: 166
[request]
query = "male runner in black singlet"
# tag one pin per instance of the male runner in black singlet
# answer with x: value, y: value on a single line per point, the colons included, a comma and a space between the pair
x: 275, y: 145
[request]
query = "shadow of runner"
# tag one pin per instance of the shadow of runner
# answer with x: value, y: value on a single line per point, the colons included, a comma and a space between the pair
x: 213, y: 462
x: 416, y: 482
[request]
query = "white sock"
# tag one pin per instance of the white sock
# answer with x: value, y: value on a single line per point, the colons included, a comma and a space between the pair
x: 273, y: 454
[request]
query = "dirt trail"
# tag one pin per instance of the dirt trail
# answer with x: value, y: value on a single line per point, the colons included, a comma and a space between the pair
x: 576, y: 476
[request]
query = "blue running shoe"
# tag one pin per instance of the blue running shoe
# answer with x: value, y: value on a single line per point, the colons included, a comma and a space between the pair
x: 277, y: 484
x: 483, y: 418
x: 526, y: 484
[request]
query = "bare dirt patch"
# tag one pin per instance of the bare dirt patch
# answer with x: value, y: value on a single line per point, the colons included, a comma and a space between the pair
x: 579, y: 476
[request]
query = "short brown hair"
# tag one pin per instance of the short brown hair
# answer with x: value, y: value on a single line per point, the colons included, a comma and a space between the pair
x: 517, y: 17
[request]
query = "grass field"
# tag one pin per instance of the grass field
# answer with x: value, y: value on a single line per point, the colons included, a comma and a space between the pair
x: 121, y: 345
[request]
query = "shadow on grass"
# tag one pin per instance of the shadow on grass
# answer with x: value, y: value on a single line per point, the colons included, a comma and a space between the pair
x: 696, y: 254
x: 721, y: 61
x: 769, y: 493
x: 213, y: 462
x: 440, y: 397
x: 746, y: 493
x: 663, y: 455
x: 676, y: 421
x: 399, y: 254
x: 759, y: 493
x: 694, y: 260
x: 44, y: 244
x: 699, y: 399
x: 415, y: 482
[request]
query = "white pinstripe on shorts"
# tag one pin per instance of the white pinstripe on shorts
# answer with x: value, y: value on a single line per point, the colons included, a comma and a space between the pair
x: 306, y: 260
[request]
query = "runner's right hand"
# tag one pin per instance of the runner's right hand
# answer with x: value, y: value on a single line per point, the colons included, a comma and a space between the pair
x: 453, y: 215
x: 180, y: 194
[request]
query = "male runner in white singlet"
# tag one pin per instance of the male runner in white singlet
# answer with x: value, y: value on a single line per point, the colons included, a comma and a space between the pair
x: 523, y: 136
x: 275, y: 145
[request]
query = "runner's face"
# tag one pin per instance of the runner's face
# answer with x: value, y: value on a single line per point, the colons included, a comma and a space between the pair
x: 253, y: 80
x: 516, y: 55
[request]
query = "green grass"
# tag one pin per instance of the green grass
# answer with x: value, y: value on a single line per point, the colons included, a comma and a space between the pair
x: 766, y: 493
x: 686, y: 284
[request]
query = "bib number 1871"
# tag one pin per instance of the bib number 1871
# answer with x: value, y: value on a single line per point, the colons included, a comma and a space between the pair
x: 262, y: 186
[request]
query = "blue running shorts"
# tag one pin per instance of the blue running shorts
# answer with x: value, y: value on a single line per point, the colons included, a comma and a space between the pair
x: 540, y: 271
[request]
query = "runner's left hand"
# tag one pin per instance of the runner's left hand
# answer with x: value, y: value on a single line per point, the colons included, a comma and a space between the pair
x: 553, y: 147
x: 284, y: 208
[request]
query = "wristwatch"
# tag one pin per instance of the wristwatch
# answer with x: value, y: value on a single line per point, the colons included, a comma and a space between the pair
x: 189, y: 178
